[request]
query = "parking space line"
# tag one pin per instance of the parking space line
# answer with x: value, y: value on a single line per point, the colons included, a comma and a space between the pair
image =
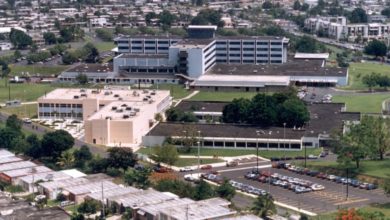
x: 351, y: 201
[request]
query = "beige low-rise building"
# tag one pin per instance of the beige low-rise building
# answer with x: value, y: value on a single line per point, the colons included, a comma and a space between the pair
x: 116, y: 116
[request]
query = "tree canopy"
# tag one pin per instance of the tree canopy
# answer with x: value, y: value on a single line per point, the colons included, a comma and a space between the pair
x: 121, y: 157
x: 19, y: 39
x: 267, y: 110
x: 166, y: 154
x: 264, y: 206
x: 358, y: 15
x: 54, y: 143
x: 208, y: 16
x: 376, y: 48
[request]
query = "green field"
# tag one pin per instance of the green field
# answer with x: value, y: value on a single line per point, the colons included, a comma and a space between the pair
x: 370, y: 103
x: 177, y: 91
x: 358, y: 70
x: 23, y: 111
x: 182, y: 162
x: 23, y: 92
x: 374, y: 168
x: 38, y: 69
x: 238, y: 152
x: 221, y: 96
x: 384, y: 208
x: 104, y: 46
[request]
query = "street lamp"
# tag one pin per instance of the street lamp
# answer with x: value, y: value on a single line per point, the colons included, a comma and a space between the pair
x: 198, y: 153
x: 257, y: 150
x: 284, y: 141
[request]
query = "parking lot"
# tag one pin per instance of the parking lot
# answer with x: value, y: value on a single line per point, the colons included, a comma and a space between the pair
x: 329, y: 199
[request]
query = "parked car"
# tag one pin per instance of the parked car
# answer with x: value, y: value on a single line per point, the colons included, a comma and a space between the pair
x: 311, y: 156
x: 206, y: 167
x: 186, y: 169
x: 232, y: 163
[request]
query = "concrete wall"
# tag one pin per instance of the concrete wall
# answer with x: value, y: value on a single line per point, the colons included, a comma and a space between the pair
x: 196, y: 62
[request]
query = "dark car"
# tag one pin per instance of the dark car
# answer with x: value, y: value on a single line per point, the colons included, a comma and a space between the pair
x: 355, y: 183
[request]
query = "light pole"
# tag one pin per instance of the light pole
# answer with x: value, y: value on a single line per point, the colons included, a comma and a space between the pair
x: 198, y: 153
x: 257, y: 152
x: 284, y: 141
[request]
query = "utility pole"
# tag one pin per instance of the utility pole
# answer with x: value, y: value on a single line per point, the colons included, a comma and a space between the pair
x: 284, y: 141
x: 346, y: 198
x: 198, y: 154
x: 103, y: 201
x: 257, y: 151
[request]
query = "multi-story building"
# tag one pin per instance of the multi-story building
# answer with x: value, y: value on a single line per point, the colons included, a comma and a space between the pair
x: 337, y: 28
x: 112, y: 117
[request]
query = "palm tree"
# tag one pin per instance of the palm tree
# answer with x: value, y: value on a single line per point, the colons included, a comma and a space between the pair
x: 264, y: 206
x: 66, y: 160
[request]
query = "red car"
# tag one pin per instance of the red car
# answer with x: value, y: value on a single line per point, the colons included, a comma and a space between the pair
x: 206, y: 167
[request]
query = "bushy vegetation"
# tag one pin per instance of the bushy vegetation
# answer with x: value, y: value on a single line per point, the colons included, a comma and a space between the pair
x: 177, y: 115
x: 267, y: 110
x: 88, y: 53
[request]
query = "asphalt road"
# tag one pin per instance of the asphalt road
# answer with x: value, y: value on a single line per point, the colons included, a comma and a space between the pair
x: 330, y: 199
x: 41, y: 130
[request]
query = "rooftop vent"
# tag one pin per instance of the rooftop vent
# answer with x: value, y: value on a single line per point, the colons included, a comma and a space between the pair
x: 114, y: 108
x: 76, y: 97
x: 126, y: 116
x: 119, y: 111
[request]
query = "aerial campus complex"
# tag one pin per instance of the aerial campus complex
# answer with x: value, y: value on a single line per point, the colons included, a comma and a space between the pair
x: 204, y: 61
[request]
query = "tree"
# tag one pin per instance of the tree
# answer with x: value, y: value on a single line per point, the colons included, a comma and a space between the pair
x: 166, y: 18
x: 82, y: 155
x: 175, y: 114
x: 56, y: 142
x: 386, y: 186
x: 50, y: 38
x: 7, y: 135
x: 89, y: 207
x: 92, y: 53
x: 303, y: 217
x: 297, y: 5
x: 178, y: 187
x: 104, y: 34
x: 19, y: 39
x: 376, y: 48
x: 264, y: 206
x: 138, y: 178
x: 306, y: 44
x: 348, y: 214
x: 69, y: 58
x: 236, y: 111
x: 5, y: 70
x: 358, y: 15
x: 35, y: 150
x: 386, y: 12
x: 208, y: 16
x: 66, y: 160
x: 13, y: 122
x: 77, y: 216
x: 82, y: 79
x: 98, y: 164
x: 370, y: 80
x: 149, y: 16
x: 203, y: 191
x: 19, y: 145
x: 166, y: 154
x: 267, y: 5
x: 262, y: 110
x: 294, y: 113
x: 121, y: 157
x: 226, y: 190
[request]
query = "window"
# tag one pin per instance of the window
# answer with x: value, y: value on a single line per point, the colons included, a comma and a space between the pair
x: 262, y: 43
x: 136, y: 42
x: 262, y: 49
x: 136, y: 48
x: 249, y: 49
x: 234, y: 49
x: 248, y: 55
x: 276, y: 43
x: 248, y: 43
x: 276, y: 49
x: 150, y: 48
x: 276, y: 55
x: 221, y: 42
x: 162, y: 48
x: 150, y: 42
x: 235, y: 43
x: 262, y: 55
x: 163, y: 42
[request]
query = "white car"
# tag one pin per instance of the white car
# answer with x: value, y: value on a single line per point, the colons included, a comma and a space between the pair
x: 311, y: 156
x: 186, y: 169
x: 191, y: 178
x: 317, y: 187
x: 27, y: 120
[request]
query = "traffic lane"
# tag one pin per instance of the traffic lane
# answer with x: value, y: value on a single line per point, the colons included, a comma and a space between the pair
x: 376, y: 195
x: 301, y: 201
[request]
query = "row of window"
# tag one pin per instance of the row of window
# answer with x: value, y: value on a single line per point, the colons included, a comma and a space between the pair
x: 250, y: 144
x: 246, y: 61
x: 52, y: 114
x: 247, y: 43
x: 57, y: 105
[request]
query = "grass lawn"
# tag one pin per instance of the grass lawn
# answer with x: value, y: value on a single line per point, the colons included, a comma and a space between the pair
x: 182, y: 162
x: 358, y: 70
x: 374, y: 168
x: 24, y: 92
x: 221, y: 96
x: 24, y: 111
x: 38, y: 69
x: 177, y: 91
x: 104, y: 46
x: 384, y: 208
x: 238, y: 152
x: 370, y: 103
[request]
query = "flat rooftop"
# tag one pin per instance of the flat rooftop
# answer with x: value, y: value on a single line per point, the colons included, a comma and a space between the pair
x: 324, y: 118
x: 155, y: 56
x: 5, y: 153
x: 49, y: 176
x: 199, y: 106
x: 91, y: 187
x: 119, y: 110
x: 240, y: 80
x: 27, y: 171
x: 193, y: 43
x: 91, y: 68
x: 113, y: 192
x: 143, y: 198
x: 198, y: 210
x: 311, y: 56
x: 16, y: 165
x: 291, y: 68
x: 10, y: 159
x: 155, y: 209
x: 114, y: 94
